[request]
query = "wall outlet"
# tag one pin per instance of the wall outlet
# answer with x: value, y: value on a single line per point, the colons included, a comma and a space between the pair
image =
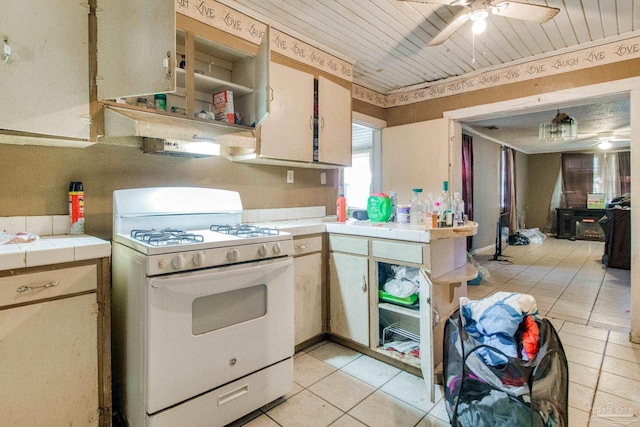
x: 289, y: 177
x: 323, y: 178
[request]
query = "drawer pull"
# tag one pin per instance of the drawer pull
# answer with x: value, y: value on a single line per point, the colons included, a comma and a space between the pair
x: 32, y: 288
x: 300, y: 248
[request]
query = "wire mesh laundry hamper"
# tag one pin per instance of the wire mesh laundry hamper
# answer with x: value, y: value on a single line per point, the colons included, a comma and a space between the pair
x: 514, y: 394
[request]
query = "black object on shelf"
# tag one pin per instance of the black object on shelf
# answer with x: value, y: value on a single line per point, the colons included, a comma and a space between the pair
x: 580, y: 224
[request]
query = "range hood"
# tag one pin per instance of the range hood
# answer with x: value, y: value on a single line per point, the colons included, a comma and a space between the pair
x: 181, y: 134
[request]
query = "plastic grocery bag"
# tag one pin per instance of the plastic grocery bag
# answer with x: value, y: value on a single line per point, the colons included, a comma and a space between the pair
x: 534, y: 235
x: 404, y: 283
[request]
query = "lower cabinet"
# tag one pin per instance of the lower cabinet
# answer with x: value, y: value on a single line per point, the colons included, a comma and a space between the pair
x: 52, y: 347
x: 308, y: 288
x: 407, y: 329
x: 349, y: 297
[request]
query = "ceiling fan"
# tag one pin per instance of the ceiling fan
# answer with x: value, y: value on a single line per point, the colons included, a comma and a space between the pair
x: 478, y: 11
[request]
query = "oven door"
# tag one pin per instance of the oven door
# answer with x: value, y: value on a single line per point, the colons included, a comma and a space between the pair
x: 209, y: 327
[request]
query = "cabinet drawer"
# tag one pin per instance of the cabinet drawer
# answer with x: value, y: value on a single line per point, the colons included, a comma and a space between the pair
x: 352, y: 245
x: 31, y: 286
x: 305, y: 245
x: 406, y: 252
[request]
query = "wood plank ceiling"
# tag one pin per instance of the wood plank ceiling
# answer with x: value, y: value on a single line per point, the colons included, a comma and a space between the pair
x: 388, y: 39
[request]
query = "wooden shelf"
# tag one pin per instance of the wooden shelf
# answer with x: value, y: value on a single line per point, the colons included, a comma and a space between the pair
x: 211, y: 84
x: 399, y: 309
x: 460, y: 274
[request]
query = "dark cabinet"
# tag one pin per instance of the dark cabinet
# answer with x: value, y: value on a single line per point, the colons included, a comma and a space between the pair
x: 580, y: 224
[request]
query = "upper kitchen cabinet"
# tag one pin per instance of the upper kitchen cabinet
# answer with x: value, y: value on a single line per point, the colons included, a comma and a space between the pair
x: 309, y: 123
x: 182, y: 63
x: 44, y: 71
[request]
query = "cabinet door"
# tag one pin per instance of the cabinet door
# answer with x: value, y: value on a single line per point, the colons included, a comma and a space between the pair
x: 334, y: 116
x: 307, y: 297
x: 349, y: 302
x: 262, y: 78
x: 288, y: 133
x: 426, y: 335
x: 48, y: 354
x: 45, y: 83
x: 136, y: 47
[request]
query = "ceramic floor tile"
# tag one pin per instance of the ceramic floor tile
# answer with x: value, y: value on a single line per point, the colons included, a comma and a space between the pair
x: 383, y: 410
x: 614, y: 320
x: 578, y: 418
x: 564, y: 303
x: 608, y: 326
x: 585, y: 331
x: 560, y: 316
x: 583, y: 357
x: 431, y: 421
x: 371, y: 371
x: 570, y: 312
x: 583, y: 375
x: 262, y: 421
x: 308, y: 370
x: 628, y: 353
x: 620, y: 386
x: 243, y: 420
x: 334, y: 354
x: 342, y: 390
x: 347, y: 421
x: 305, y: 409
x: 580, y: 397
x: 316, y: 345
x: 597, y: 346
x: 621, y: 339
x: 412, y: 390
x: 609, y: 410
x: 621, y: 367
x: 440, y: 411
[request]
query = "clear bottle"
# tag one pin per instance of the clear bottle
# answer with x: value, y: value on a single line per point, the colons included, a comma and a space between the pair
x: 445, y: 218
x: 458, y: 210
x: 394, y: 205
x: 416, y: 213
x: 429, y: 212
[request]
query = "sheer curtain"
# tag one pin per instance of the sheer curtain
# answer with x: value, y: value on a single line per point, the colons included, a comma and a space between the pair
x: 606, y: 179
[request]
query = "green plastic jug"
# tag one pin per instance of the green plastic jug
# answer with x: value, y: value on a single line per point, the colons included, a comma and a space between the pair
x: 379, y: 207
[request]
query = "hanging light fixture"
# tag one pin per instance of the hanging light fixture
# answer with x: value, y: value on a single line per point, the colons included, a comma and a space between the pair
x: 560, y: 128
x: 479, y: 18
x: 605, y: 143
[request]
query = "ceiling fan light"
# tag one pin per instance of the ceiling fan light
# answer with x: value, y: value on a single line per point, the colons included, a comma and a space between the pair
x: 479, y: 15
x: 479, y: 26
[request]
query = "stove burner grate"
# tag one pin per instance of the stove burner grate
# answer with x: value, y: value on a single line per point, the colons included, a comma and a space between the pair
x: 167, y: 236
x: 245, y: 230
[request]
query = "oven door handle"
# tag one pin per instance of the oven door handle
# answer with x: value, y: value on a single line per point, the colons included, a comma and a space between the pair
x: 198, y: 283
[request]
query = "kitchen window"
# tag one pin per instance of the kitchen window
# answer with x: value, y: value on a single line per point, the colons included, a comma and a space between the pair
x: 363, y: 177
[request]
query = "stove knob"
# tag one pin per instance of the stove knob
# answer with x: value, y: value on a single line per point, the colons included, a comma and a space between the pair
x: 232, y: 255
x: 179, y: 262
x: 262, y: 250
x: 199, y: 258
x: 276, y: 248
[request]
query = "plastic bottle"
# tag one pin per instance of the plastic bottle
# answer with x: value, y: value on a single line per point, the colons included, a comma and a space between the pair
x: 458, y: 210
x: 429, y: 207
x: 394, y: 205
x: 76, y: 208
x: 160, y: 101
x: 379, y: 207
x: 341, y: 208
x: 416, y: 213
x: 445, y: 215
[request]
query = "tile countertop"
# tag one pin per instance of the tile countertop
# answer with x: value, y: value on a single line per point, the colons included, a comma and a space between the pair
x: 386, y: 230
x: 53, y: 250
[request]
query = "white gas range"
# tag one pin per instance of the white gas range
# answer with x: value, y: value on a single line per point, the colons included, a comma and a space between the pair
x: 203, y: 308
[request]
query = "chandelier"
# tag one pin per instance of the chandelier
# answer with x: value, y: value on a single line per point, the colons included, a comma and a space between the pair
x: 560, y: 128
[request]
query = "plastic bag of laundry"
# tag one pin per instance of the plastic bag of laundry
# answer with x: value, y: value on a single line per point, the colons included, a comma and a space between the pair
x: 404, y: 283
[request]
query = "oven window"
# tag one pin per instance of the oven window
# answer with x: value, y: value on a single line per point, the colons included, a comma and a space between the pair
x: 218, y: 311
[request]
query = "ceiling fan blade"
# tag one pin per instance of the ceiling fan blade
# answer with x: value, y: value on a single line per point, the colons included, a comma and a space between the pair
x: 457, y: 22
x: 525, y: 11
x: 444, y: 2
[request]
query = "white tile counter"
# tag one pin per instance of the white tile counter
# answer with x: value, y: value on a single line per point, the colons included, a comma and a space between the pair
x: 53, y: 250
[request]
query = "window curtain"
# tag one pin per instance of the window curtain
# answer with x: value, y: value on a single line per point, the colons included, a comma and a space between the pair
x: 624, y: 172
x: 606, y: 178
x: 577, y: 178
x: 509, y: 188
x: 467, y: 179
